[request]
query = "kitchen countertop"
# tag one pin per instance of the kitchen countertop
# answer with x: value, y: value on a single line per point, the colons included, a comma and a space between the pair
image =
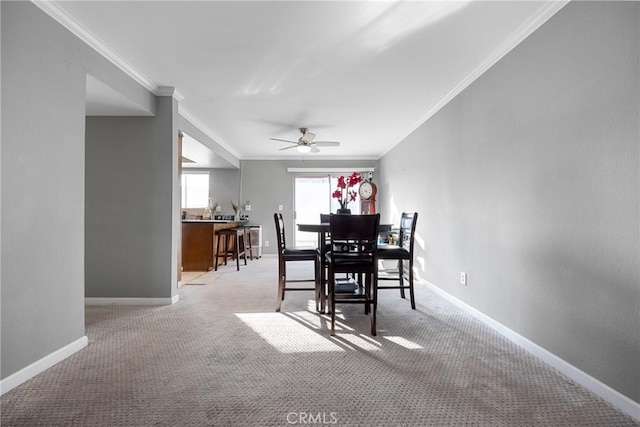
x: 217, y: 221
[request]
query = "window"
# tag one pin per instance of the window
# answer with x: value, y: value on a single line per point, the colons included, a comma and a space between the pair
x: 195, y: 189
x: 312, y: 196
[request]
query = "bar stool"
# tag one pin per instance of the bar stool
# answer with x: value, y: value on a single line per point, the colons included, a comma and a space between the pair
x: 247, y: 240
x: 224, y: 237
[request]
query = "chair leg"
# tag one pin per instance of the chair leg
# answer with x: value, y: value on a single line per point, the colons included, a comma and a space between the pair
x: 319, y: 286
x: 281, y: 283
x: 226, y: 249
x: 367, y: 306
x: 248, y: 245
x: 374, y: 299
x: 283, y: 275
x: 401, y: 278
x: 244, y: 247
x: 332, y: 301
x: 236, y: 251
x: 413, y: 299
x: 324, y: 273
x: 215, y: 263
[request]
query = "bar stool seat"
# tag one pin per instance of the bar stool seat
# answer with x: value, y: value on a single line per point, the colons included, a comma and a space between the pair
x: 238, y: 249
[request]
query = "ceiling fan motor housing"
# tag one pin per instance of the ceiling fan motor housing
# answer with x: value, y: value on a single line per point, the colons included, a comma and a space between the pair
x: 307, y: 137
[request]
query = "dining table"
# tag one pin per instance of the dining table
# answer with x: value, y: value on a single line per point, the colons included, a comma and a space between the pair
x: 322, y: 228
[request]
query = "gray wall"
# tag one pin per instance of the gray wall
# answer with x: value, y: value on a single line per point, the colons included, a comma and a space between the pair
x: 42, y: 188
x: 224, y: 187
x: 129, y: 204
x: 44, y: 70
x: 529, y: 182
x: 267, y: 184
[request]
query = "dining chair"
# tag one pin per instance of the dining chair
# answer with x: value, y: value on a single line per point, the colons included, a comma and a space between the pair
x: 293, y: 254
x: 403, y: 254
x: 322, y: 263
x: 324, y: 219
x: 354, y: 240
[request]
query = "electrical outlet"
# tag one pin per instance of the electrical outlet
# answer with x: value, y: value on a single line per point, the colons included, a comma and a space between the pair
x: 463, y: 278
x: 280, y: 207
x: 266, y: 243
x: 218, y: 208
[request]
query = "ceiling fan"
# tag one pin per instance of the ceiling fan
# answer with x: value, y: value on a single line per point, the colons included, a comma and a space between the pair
x: 306, y: 142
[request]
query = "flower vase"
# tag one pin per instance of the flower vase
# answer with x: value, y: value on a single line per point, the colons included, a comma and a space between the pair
x: 344, y: 211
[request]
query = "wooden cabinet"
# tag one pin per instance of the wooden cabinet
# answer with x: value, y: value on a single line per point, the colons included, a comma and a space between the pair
x: 199, y: 243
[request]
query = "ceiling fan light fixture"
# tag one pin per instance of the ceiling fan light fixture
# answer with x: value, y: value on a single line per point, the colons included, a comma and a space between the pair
x: 304, y: 148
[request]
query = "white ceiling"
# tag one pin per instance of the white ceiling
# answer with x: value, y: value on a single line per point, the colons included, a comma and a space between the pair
x: 362, y: 73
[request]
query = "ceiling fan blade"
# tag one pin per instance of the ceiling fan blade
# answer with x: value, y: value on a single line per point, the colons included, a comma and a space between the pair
x: 315, y: 149
x: 287, y: 148
x: 284, y: 140
x: 327, y: 143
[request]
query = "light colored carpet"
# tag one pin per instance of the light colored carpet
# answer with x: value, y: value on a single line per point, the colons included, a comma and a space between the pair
x: 221, y: 356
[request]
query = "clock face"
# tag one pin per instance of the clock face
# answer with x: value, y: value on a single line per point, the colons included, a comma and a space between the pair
x: 365, y: 190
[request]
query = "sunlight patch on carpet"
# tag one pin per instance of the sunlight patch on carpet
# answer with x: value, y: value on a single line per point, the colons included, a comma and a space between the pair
x: 403, y: 342
x: 287, y: 334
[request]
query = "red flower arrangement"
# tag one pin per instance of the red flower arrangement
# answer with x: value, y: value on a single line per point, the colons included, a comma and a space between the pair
x: 343, y: 192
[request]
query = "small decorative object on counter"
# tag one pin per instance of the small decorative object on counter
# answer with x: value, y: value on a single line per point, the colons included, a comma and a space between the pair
x: 235, y: 204
x: 210, y: 209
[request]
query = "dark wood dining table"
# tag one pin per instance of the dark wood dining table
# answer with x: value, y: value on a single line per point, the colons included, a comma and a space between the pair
x: 322, y: 228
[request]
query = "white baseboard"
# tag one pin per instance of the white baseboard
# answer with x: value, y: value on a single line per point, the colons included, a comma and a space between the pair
x: 132, y: 301
x: 620, y: 401
x: 48, y: 361
x: 28, y: 372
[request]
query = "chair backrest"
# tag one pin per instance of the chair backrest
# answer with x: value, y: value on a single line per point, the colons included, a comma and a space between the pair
x: 282, y: 242
x: 354, y: 235
x: 407, y: 230
x: 324, y: 219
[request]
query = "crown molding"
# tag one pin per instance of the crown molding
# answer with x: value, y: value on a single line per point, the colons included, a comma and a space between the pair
x: 331, y: 170
x: 535, y: 22
x: 63, y: 18
x: 169, y: 91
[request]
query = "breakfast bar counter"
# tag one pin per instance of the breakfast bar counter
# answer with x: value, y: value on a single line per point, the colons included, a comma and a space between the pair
x: 199, y: 241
